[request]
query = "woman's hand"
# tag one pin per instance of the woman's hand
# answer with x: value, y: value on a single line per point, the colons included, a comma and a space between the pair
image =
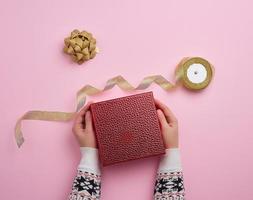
x: 169, y: 125
x: 83, y: 128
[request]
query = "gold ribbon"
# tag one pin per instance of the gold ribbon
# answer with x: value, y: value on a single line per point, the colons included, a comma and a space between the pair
x: 88, y: 90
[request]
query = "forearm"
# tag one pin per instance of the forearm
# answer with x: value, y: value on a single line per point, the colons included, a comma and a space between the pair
x: 169, y: 181
x: 87, y: 183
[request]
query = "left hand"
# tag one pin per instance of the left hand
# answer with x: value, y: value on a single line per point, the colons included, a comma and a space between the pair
x: 83, y: 128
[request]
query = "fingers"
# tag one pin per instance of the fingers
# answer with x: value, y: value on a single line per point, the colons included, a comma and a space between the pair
x: 161, y: 117
x: 85, y: 108
x: 163, y: 124
x: 80, y: 116
x: 88, y: 120
x: 166, y: 111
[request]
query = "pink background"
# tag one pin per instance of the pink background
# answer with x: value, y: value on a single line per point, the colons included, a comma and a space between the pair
x: 136, y: 39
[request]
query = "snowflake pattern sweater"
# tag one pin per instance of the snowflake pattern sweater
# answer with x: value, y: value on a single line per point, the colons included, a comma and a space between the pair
x: 168, y: 185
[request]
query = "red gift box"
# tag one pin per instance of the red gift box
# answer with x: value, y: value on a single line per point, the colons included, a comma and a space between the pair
x: 127, y: 128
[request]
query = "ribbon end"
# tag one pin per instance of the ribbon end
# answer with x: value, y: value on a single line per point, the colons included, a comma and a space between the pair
x: 19, y: 139
x: 20, y: 142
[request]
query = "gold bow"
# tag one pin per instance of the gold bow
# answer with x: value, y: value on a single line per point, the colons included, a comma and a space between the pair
x: 81, y: 46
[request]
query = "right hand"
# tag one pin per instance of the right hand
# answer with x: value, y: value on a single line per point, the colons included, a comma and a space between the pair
x: 168, y: 124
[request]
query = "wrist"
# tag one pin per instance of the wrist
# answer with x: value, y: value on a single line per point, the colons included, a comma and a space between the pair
x: 89, y: 160
x: 170, y: 161
x: 171, y: 146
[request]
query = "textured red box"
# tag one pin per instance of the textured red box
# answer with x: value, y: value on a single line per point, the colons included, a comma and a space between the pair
x: 127, y: 128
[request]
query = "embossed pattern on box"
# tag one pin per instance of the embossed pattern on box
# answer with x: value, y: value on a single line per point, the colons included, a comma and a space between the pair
x: 127, y: 128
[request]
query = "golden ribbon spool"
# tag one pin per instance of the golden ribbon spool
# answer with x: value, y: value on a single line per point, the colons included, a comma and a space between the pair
x: 194, y: 73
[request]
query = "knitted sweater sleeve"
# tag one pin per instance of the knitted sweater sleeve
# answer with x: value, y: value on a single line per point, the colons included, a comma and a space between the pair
x: 169, y: 180
x: 87, y: 183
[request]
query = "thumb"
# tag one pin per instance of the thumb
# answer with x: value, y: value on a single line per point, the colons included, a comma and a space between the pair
x: 88, y: 120
x: 161, y: 117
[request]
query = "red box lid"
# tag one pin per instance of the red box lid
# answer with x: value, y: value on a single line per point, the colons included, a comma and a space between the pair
x: 127, y: 128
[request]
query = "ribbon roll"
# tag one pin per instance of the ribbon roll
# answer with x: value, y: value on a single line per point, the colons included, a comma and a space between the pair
x: 194, y: 73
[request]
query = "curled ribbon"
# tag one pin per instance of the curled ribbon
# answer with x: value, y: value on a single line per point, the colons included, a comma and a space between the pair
x: 199, y: 79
